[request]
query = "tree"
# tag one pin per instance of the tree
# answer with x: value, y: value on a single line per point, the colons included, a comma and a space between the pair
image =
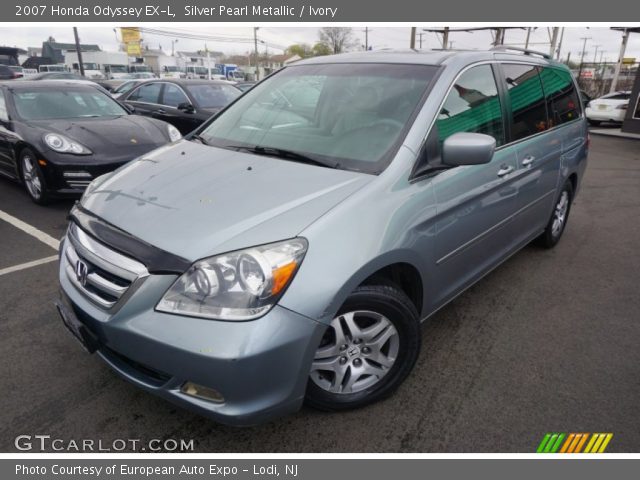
x: 301, y: 49
x: 321, y: 49
x: 338, y: 39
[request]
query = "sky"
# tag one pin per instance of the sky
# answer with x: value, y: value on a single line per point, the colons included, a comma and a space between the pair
x: 278, y: 38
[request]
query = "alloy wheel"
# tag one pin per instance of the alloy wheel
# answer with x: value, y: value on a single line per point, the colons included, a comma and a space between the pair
x: 358, y: 350
x: 31, y: 177
x: 560, y: 214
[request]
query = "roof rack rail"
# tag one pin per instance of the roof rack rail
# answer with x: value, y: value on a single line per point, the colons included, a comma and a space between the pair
x: 526, y: 51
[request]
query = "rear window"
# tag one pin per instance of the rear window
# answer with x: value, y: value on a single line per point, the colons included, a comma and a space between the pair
x: 563, y: 103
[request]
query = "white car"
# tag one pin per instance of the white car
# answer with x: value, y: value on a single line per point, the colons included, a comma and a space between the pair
x: 608, y: 108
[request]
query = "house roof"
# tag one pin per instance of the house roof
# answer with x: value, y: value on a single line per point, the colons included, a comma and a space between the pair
x: 72, y: 46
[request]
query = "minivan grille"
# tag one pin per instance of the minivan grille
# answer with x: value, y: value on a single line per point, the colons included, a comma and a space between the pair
x: 103, y: 275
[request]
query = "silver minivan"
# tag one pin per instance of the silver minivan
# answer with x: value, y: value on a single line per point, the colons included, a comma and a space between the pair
x: 289, y: 249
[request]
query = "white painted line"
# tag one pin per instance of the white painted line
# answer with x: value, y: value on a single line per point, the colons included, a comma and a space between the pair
x: 24, y: 266
x: 33, y: 231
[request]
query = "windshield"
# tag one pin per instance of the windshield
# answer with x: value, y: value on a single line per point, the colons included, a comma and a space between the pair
x: 213, y: 96
x: 140, y: 68
x: 90, y: 66
x: 53, y: 68
x: 350, y: 116
x: 171, y: 69
x: 118, y: 68
x: 45, y: 104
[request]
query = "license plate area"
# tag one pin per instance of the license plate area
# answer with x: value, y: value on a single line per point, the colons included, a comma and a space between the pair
x: 79, y: 330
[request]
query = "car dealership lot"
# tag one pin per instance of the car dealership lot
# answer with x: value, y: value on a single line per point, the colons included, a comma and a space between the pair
x: 546, y: 343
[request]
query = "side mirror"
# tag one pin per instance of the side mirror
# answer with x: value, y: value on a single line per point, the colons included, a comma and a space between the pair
x: 465, y: 148
x: 186, y: 107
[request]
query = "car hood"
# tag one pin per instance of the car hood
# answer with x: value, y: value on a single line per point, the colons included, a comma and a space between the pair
x: 109, y: 134
x: 196, y: 201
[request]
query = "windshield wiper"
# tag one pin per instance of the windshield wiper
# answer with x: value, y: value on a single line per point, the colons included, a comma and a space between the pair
x: 282, y: 153
x: 199, y: 138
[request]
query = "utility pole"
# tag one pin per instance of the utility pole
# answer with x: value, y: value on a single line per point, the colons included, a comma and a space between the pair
x: 584, y: 47
x: 420, y: 35
x: 366, y: 38
x: 623, y: 49
x: 554, y: 40
x: 526, y: 42
x: 595, y: 55
x: 412, y: 41
x: 445, y: 38
x: 255, y: 46
x: 559, y: 49
x: 78, y: 50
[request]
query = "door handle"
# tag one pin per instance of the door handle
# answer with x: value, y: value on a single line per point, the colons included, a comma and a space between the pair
x: 528, y: 160
x: 504, y: 170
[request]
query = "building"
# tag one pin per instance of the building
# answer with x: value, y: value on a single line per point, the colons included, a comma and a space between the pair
x: 56, y: 50
x: 198, y: 59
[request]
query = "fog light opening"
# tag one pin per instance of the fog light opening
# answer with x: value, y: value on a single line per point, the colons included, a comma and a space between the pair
x: 204, y: 393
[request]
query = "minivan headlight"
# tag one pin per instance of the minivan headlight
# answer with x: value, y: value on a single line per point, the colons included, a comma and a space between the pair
x: 240, y: 285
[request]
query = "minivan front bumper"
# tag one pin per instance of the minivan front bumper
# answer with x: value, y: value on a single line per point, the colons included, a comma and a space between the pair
x: 260, y: 367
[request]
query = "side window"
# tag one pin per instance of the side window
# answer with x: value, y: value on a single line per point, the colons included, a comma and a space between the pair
x: 4, y: 115
x: 527, y: 100
x: 173, y: 96
x: 148, y: 92
x: 563, y: 103
x: 473, y: 105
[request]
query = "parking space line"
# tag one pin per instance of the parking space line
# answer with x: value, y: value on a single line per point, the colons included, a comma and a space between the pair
x: 33, y: 231
x: 24, y: 266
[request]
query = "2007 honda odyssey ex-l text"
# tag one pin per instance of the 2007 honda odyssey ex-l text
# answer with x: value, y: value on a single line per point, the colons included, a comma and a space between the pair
x: 289, y: 248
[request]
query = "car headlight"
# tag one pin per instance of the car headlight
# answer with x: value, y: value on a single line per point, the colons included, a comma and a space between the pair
x: 240, y: 285
x: 62, y: 144
x: 174, y: 133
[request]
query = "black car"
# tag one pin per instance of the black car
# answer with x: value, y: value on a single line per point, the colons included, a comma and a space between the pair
x: 7, y: 73
x: 186, y: 104
x: 57, y: 136
x: 56, y: 76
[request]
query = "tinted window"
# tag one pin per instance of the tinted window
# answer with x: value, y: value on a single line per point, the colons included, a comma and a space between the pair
x: 125, y: 87
x: 473, y: 105
x: 3, y: 108
x: 173, y: 95
x: 618, y: 96
x: 527, y: 100
x: 149, y: 93
x: 563, y: 103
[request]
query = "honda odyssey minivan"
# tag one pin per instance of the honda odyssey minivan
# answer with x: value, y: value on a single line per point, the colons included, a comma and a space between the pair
x: 288, y: 250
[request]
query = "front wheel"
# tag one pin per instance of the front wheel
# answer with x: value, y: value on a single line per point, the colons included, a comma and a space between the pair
x: 558, y: 221
x: 32, y: 177
x: 368, y: 350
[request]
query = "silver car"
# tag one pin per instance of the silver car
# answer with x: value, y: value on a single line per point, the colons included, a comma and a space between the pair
x: 289, y: 249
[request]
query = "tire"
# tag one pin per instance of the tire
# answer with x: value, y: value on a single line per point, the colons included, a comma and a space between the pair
x: 375, y: 364
x: 554, y: 230
x: 594, y: 123
x: 32, y: 177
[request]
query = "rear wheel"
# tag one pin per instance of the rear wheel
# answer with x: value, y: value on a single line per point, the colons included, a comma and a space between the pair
x: 558, y: 221
x: 368, y: 350
x: 32, y: 177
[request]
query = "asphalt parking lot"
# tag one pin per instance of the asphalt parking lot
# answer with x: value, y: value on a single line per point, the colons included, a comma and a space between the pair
x: 549, y: 342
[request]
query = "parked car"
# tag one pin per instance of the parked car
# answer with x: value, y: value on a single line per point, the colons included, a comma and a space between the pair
x: 18, y: 70
x: 186, y: 104
x: 291, y: 246
x: 125, y: 86
x: 56, y: 76
x: 244, y: 86
x: 7, y: 73
x: 608, y: 108
x: 57, y: 136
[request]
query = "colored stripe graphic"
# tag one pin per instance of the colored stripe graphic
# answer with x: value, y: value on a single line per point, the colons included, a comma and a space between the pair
x: 574, y: 442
